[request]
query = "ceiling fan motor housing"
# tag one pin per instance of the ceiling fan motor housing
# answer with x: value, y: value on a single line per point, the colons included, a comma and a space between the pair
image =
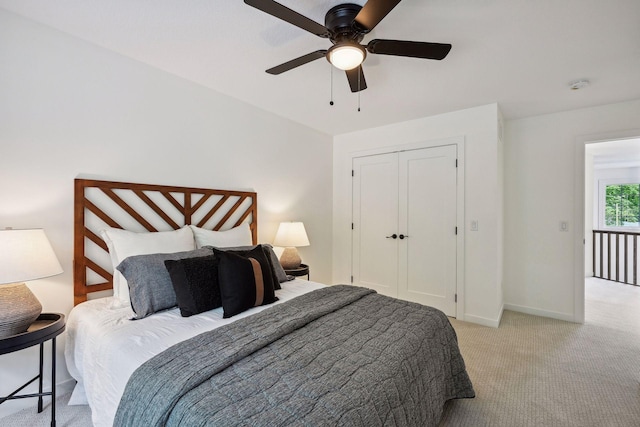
x: 340, y: 20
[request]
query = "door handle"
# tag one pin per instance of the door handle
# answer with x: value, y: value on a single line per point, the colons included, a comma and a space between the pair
x: 393, y: 236
x: 402, y: 236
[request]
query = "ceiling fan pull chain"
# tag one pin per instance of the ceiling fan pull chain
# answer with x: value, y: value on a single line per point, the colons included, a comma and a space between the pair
x: 331, y: 73
x: 359, y: 74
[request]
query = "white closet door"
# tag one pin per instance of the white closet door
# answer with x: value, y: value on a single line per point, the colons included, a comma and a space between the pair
x: 375, y: 216
x: 427, y: 215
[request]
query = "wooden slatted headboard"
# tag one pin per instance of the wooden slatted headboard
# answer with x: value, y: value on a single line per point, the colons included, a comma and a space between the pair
x: 142, y: 207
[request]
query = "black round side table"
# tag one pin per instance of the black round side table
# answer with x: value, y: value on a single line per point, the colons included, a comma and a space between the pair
x: 46, y: 327
x: 303, y: 270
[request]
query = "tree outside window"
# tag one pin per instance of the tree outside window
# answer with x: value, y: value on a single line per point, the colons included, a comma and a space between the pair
x: 622, y: 206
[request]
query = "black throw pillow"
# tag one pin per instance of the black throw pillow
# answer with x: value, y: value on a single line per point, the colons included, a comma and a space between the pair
x: 195, y: 282
x: 245, y: 280
x: 271, y: 256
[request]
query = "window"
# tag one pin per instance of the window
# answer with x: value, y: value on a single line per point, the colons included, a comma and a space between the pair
x: 622, y: 205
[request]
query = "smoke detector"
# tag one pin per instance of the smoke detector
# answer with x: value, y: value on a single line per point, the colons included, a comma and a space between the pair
x: 579, y: 84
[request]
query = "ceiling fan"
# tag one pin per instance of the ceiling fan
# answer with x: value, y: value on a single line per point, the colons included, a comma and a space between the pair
x: 346, y: 25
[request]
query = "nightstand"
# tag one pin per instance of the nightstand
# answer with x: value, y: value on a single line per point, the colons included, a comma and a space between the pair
x: 46, y: 327
x: 303, y: 270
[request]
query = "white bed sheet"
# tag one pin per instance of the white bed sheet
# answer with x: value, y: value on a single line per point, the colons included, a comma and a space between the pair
x: 103, y: 347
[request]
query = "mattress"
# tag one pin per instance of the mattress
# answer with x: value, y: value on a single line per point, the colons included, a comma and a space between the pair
x: 104, y: 347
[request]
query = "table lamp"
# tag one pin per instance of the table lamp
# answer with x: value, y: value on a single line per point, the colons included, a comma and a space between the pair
x: 291, y: 235
x: 24, y: 255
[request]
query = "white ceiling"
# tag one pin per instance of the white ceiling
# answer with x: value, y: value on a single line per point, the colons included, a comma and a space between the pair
x: 616, y: 154
x: 521, y: 54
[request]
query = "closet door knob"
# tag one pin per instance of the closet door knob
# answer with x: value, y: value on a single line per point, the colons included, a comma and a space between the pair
x: 393, y: 236
x: 402, y: 236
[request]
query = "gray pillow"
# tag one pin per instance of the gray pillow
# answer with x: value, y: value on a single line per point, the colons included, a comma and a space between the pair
x: 150, y: 287
x: 277, y: 268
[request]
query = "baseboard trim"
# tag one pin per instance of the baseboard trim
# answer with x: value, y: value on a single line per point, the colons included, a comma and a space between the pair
x: 501, y: 313
x: 62, y: 387
x: 492, y: 323
x: 568, y: 317
x: 483, y: 321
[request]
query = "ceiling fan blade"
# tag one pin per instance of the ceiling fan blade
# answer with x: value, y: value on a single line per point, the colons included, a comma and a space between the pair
x: 356, y: 79
x: 407, y: 48
x: 297, y: 62
x: 373, y: 12
x: 282, y: 12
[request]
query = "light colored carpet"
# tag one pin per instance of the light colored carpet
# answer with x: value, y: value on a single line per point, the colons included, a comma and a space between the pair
x: 531, y: 371
x: 66, y: 416
x: 534, y: 371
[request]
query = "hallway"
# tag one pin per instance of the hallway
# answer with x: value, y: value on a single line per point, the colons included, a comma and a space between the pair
x: 612, y: 304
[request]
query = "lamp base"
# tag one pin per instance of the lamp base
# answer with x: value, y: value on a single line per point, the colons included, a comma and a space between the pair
x: 290, y: 259
x: 19, y: 308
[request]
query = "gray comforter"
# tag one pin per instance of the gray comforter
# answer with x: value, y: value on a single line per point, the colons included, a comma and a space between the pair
x: 341, y: 355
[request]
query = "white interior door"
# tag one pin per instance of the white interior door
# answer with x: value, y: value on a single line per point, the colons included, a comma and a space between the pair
x: 427, y: 216
x: 375, y: 216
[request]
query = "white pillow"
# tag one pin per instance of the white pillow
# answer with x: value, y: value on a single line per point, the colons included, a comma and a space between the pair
x: 123, y: 244
x: 237, y: 236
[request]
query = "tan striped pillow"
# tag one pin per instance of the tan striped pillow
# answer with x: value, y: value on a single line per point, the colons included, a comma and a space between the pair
x: 245, y: 280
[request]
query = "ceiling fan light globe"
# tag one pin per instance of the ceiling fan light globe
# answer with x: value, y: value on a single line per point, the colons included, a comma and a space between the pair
x: 346, y: 57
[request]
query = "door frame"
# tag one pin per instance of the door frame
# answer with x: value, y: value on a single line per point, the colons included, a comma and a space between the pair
x: 459, y: 142
x: 579, y: 212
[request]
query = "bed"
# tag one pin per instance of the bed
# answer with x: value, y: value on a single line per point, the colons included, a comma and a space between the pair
x: 311, y: 355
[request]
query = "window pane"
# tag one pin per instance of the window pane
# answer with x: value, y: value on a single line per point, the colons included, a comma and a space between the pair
x: 622, y: 207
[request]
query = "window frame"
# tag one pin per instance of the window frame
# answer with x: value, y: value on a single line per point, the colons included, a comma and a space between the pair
x: 602, y: 200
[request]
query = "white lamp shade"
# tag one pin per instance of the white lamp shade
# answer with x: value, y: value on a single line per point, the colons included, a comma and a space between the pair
x: 26, y: 255
x: 291, y: 234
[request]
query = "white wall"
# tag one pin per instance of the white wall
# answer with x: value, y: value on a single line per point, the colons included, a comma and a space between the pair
x: 541, y: 166
x: 478, y: 126
x: 69, y: 108
x: 588, y: 213
x: 500, y: 211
